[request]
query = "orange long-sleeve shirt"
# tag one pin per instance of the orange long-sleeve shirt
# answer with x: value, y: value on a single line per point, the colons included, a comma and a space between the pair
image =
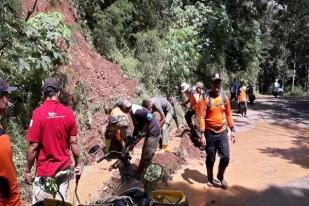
x: 215, y: 116
x: 242, y: 94
x: 193, y: 99
x: 7, y: 171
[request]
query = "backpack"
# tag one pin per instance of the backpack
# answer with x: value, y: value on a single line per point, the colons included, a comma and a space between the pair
x: 207, y: 97
x: 210, y: 103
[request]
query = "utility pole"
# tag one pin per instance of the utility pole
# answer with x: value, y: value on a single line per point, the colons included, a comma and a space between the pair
x: 294, y: 73
x: 308, y: 81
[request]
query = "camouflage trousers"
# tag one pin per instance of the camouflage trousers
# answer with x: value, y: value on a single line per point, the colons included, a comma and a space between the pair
x: 149, y: 148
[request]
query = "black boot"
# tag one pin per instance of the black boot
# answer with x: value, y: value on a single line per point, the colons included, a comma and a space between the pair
x: 210, y: 177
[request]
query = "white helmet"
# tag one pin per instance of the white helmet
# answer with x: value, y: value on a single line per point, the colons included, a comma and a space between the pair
x: 184, y: 87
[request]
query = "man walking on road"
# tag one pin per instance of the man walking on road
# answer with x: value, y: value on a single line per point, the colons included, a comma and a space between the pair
x: 234, y: 89
x: 9, y: 189
x: 166, y: 110
x: 242, y: 99
x: 145, y: 125
x: 52, y: 132
x: 215, y: 116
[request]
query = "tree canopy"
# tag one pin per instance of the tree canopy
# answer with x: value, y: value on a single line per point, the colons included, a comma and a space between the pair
x: 187, y: 40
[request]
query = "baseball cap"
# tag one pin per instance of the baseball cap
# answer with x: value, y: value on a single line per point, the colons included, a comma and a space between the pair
x: 4, y: 87
x: 184, y: 87
x: 216, y: 76
x: 51, y: 84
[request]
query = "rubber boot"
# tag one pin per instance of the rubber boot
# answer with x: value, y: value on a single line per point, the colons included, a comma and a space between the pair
x: 107, y: 146
x: 165, y: 148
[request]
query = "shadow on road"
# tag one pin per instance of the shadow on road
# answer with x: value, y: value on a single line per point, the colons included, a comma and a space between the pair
x: 294, y: 110
x: 195, y: 175
x: 238, y: 195
x: 299, y: 154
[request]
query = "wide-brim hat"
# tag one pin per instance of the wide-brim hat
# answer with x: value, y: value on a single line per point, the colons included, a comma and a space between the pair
x: 199, y: 85
x: 184, y: 87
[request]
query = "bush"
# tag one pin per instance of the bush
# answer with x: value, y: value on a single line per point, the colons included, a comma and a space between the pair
x: 298, y: 91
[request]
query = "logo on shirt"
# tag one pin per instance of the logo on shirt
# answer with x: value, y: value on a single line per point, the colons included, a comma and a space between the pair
x: 53, y: 115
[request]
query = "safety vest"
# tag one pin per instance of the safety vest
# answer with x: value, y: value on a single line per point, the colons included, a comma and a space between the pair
x: 242, y: 96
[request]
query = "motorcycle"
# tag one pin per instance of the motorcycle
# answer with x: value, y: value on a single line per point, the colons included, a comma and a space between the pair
x: 132, y: 191
x: 278, y: 92
x: 251, y: 94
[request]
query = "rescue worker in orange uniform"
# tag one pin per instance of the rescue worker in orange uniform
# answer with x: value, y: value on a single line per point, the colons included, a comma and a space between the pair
x: 9, y: 188
x: 117, y: 130
x: 193, y: 100
x: 242, y: 98
x: 215, y: 116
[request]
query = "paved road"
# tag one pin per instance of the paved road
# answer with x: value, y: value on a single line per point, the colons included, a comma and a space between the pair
x: 269, y: 163
x: 292, y: 111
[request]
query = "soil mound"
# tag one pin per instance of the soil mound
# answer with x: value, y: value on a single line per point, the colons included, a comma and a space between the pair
x: 87, y: 67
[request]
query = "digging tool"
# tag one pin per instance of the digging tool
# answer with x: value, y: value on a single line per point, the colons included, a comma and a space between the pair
x: 76, y: 186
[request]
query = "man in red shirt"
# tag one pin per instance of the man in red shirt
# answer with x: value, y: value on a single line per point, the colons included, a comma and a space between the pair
x: 9, y: 189
x: 51, y: 134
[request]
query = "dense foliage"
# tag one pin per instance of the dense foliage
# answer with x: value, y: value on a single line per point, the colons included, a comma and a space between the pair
x: 158, y: 42
x: 30, y: 51
x: 162, y: 43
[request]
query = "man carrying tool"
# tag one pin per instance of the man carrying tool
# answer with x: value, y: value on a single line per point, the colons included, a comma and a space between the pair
x: 193, y: 100
x: 166, y: 110
x: 116, y: 130
x: 9, y: 189
x: 215, y: 118
x: 145, y: 125
x: 51, y: 134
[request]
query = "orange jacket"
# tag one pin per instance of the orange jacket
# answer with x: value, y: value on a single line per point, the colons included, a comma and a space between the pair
x: 7, y: 170
x: 242, y: 94
x: 194, y: 99
x: 193, y: 102
x: 216, y: 115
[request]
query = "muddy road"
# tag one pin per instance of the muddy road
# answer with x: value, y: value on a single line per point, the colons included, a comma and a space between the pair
x: 269, y: 162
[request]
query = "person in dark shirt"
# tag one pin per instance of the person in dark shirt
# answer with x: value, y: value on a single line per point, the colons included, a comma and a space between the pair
x: 145, y: 125
x: 166, y: 111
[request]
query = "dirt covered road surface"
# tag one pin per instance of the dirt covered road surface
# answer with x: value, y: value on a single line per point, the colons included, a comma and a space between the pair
x: 269, y: 162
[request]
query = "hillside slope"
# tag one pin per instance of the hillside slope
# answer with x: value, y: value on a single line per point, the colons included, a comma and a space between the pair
x: 87, y: 67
